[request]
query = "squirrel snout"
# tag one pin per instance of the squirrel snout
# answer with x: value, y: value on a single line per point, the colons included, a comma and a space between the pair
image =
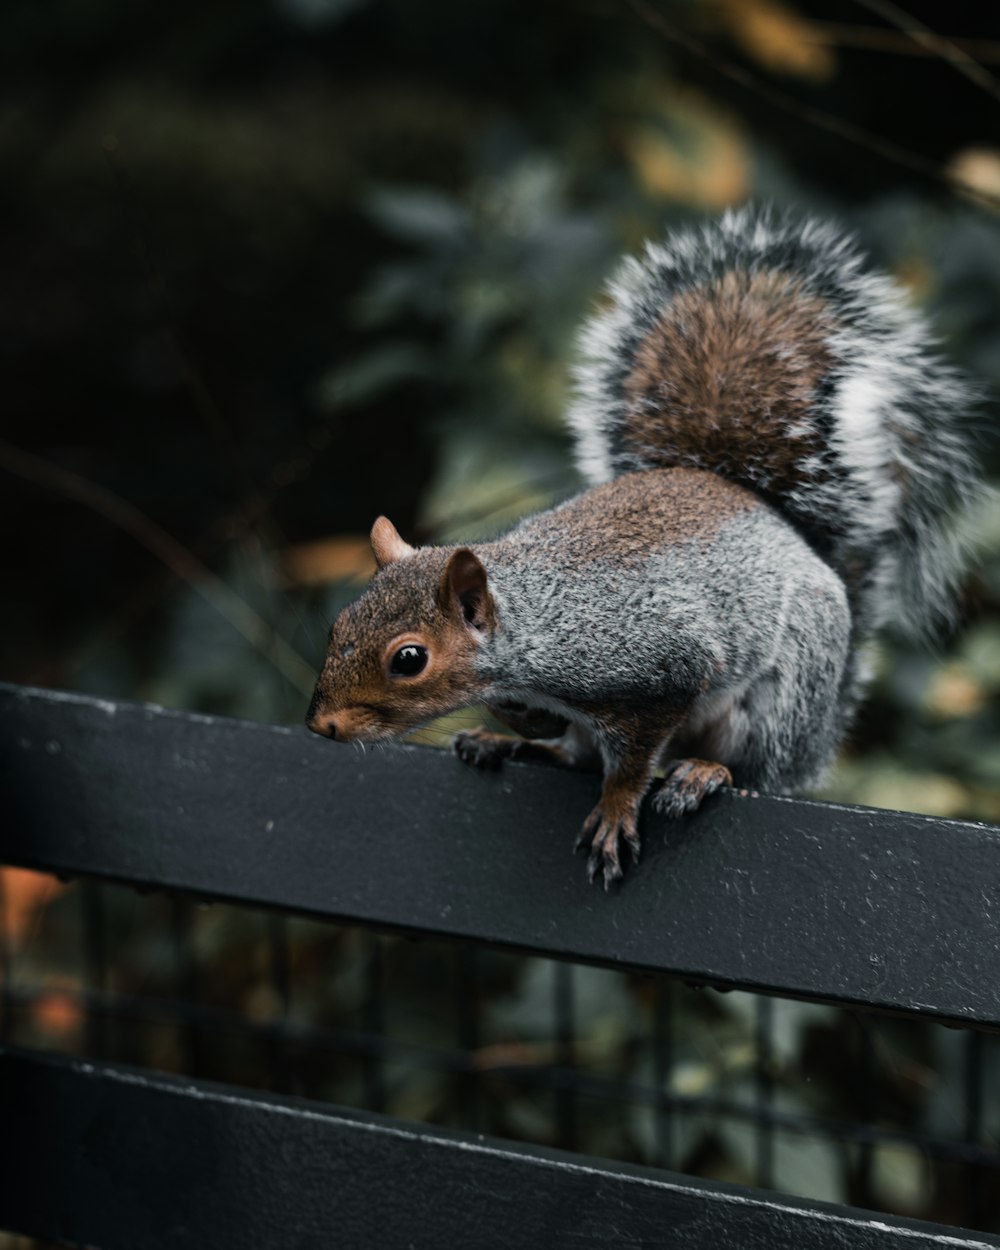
x: 322, y: 723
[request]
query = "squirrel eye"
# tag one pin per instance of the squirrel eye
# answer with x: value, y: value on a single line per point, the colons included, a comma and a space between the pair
x: 408, y: 661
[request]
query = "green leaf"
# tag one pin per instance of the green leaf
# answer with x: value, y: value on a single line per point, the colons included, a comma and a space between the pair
x: 418, y: 216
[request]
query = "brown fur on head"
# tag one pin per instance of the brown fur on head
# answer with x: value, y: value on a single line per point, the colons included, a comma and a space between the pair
x: 404, y: 652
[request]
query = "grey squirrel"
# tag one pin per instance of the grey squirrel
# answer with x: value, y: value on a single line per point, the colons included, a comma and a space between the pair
x: 772, y: 450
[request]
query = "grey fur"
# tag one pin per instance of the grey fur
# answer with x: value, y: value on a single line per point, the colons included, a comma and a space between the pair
x: 753, y: 630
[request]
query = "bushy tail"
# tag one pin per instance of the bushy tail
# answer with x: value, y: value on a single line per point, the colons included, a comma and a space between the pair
x: 761, y: 349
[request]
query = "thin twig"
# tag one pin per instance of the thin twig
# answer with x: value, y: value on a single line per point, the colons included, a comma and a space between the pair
x: 877, y: 39
x: 198, y: 389
x: 940, y: 46
x: 167, y: 549
x: 885, y: 148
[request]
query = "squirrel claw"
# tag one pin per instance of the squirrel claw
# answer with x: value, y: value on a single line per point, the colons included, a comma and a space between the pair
x: 687, y: 783
x: 611, y: 870
x: 587, y: 837
x: 604, y: 860
x: 604, y: 838
x: 482, y: 749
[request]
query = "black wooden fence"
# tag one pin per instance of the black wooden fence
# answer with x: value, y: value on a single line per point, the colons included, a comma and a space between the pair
x: 879, y: 910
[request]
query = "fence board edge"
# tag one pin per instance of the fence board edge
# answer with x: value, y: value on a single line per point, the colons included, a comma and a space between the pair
x: 887, y: 910
x: 114, y: 1157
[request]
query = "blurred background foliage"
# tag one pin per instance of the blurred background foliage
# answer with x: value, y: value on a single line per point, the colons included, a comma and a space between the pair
x: 274, y: 266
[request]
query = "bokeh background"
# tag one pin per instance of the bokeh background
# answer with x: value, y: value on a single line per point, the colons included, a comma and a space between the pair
x: 272, y: 267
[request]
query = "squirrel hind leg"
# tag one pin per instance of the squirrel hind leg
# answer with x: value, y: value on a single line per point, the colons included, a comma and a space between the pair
x: 687, y: 784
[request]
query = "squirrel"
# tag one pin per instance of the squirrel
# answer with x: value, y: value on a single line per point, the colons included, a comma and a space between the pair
x: 772, y: 448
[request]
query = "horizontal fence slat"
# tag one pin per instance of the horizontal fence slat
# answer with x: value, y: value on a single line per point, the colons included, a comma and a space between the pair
x: 114, y: 1158
x: 883, y: 909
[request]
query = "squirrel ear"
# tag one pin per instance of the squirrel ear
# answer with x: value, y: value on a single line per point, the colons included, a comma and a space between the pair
x: 465, y: 584
x: 387, y: 545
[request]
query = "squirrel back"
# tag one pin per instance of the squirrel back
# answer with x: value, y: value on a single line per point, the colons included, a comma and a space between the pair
x: 761, y: 349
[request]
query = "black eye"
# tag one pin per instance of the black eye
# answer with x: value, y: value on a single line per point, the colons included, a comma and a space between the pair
x: 408, y: 661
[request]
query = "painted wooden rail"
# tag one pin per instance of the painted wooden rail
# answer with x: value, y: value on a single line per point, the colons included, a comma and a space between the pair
x: 885, y: 910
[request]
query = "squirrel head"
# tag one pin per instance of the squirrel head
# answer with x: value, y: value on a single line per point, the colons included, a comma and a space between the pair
x: 405, y: 651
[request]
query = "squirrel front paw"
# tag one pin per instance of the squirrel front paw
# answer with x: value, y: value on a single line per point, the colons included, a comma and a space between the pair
x: 604, y: 836
x: 687, y: 783
x: 483, y: 749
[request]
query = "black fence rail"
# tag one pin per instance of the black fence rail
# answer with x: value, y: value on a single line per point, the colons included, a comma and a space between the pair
x: 156, y: 1162
x: 877, y: 910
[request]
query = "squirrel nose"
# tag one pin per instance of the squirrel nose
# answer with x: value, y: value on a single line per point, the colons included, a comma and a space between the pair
x: 323, y: 723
